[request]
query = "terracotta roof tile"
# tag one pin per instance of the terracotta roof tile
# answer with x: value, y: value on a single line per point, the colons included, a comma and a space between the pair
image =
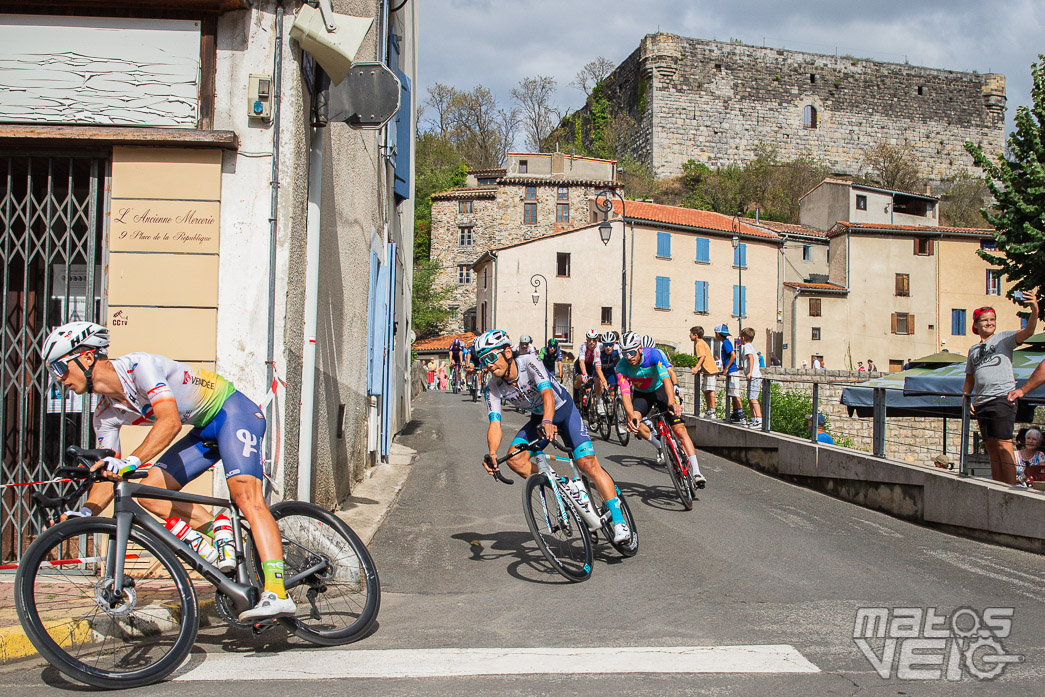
x: 465, y: 192
x: 689, y: 217
x: 558, y: 180
x: 841, y: 227
x: 442, y: 343
x: 816, y: 286
x: 787, y: 228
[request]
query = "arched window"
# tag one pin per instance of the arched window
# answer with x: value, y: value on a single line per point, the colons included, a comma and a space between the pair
x: 810, y: 119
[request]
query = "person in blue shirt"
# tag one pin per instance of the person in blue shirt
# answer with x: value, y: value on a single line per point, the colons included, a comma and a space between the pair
x: 822, y: 436
x: 731, y: 370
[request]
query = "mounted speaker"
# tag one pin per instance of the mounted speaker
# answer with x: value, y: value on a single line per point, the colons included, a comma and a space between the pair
x: 333, y: 50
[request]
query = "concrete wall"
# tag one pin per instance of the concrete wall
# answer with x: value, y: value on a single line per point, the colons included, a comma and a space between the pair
x: 796, y: 267
x: 562, y: 166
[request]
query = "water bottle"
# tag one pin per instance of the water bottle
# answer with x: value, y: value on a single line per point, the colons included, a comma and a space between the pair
x: 577, y: 492
x: 193, y: 538
x: 224, y: 542
x: 582, y: 493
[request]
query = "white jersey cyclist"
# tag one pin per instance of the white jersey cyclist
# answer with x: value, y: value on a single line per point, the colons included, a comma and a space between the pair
x: 525, y: 392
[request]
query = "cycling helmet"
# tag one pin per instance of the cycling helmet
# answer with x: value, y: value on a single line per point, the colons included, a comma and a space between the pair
x: 553, y: 342
x: 648, y: 342
x: 491, y: 341
x: 74, y: 338
x: 591, y: 334
x: 525, y: 339
x: 630, y: 341
x: 609, y: 337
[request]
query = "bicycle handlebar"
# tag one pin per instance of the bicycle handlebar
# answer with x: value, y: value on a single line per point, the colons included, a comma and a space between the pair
x: 81, y: 472
x: 531, y: 446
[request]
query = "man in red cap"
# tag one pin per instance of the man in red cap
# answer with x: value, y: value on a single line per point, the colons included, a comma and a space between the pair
x: 989, y: 378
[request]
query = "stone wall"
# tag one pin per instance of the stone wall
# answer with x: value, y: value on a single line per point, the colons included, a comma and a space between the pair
x: 714, y: 102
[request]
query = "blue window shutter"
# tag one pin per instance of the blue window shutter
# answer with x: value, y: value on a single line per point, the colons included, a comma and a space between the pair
x: 736, y: 256
x: 743, y: 254
x: 958, y: 322
x: 375, y: 324
x: 743, y: 300
x: 701, y: 295
x: 736, y: 300
x: 703, y: 249
x: 663, y: 292
x: 404, y: 131
x: 663, y: 244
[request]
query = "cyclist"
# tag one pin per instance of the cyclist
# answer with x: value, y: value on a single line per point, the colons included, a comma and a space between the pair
x: 523, y: 382
x: 456, y: 357
x: 471, y: 364
x: 525, y: 346
x: 589, y: 361
x: 144, y: 388
x: 610, y: 356
x: 551, y: 356
x: 644, y: 381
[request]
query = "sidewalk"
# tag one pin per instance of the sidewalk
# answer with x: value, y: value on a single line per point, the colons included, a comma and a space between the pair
x: 364, y: 511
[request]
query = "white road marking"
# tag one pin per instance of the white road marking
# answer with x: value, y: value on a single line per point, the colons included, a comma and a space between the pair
x: 426, y: 663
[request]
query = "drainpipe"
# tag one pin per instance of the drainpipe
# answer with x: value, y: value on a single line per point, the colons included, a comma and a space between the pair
x: 308, y: 352
x: 493, y: 304
x: 794, y: 326
x: 270, y: 344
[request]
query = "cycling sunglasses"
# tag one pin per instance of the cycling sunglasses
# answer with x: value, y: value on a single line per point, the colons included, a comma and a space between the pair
x: 60, y: 367
x: 631, y: 352
x: 490, y: 358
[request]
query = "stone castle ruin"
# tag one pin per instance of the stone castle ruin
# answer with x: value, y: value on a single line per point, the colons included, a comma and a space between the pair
x: 714, y: 102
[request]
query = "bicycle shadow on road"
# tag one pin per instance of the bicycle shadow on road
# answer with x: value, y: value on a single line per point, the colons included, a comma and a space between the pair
x: 529, y: 565
x: 661, y: 497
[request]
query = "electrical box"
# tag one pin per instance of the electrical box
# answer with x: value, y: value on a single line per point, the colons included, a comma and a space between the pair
x: 259, y: 97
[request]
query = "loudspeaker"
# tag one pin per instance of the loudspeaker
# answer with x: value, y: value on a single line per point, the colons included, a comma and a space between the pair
x: 336, y: 50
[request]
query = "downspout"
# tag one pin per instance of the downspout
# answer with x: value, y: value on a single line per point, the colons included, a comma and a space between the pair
x: 493, y: 305
x: 794, y: 326
x: 270, y: 344
x: 308, y: 352
x: 631, y: 288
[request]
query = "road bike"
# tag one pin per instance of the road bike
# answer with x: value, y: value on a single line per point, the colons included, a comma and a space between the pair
x: 566, y: 515
x: 674, y: 458
x: 455, y: 377
x: 616, y: 416
x: 472, y: 380
x: 108, y: 603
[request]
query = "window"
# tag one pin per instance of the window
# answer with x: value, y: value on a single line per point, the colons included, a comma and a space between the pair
x: 524, y: 166
x: 464, y: 206
x: 814, y: 307
x: 957, y: 322
x: 464, y: 273
x: 816, y: 334
x: 812, y: 79
x: 807, y: 252
x: 663, y: 300
x: 861, y: 202
x: 562, y: 212
x: 464, y: 236
x: 701, y: 297
x: 739, y: 301
x: 809, y: 117
x: 993, y: 282
x: 903, y: 285
x: 664, y: 245
x: 484, y: 285
x: 607, y: 315
x: 921, y: 90
x: 987, y: 244
x: 740, y: 256
x: 703, y: 250
x: 563, y: 194
x: 902, y: 323
x: 531, y: 193
x: 562, y: 264
x: 1023, y: 322
x: 923, y: 247
x: 529, y: 213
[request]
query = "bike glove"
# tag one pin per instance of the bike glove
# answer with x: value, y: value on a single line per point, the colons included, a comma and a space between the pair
x: 122, y: 467
x: 82, y: 513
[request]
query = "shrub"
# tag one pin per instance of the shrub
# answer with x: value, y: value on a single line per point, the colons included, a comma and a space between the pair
x: 789, y: 409
x: 683, y: 360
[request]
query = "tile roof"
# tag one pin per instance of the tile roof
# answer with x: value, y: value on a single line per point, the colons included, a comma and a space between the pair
x: 841, y: 227
x: 442, y: 343
x: 689, y: 217
x: 817, y: 286
x: 787, y: 228
x: 465, y: 192
x: 496, y: 171
x: 558, y: 180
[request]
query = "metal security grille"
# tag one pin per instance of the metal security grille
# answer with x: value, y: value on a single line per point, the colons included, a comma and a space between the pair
x: 51, y: 250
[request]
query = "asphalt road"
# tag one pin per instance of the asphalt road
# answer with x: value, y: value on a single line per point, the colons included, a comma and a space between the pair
x: 758, y: 563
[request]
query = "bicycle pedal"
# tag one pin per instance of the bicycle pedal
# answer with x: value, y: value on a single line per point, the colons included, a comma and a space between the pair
x: 261, y: 626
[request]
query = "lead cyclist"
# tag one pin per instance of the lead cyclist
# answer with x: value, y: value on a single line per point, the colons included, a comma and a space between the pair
x: 145, y: 388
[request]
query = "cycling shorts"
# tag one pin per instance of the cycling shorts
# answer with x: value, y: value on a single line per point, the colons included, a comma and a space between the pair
x: 571, y: 427
x: 237, y: 428
x: 643, y: 402
x: 611, y: 379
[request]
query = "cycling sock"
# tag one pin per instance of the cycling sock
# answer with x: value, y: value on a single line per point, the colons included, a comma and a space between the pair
x: 274, y: 577
x: 614, y: 506
x: 654, y: 441
x: 694, y: 468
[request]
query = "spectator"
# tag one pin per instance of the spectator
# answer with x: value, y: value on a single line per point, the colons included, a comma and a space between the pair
x: 706, y: 368
x: 442, y: 377
x: 1029, y: 454
x: 430, y: 371
x: 871, y: 367
x: 732, y: 371
x: 822, y: 436
x: 774, y: 361
x: 761, y: 360
x: 860, y: 367
x: 989, y: 379
x: 805, y: 365
x: 817, y: 363
x: 907, y: 365
x: 1036, y: 380
x: 753, y: 372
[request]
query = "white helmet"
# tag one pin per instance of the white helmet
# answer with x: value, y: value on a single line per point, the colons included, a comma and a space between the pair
x: 609, y: 337
x: 591, y: 334
x: 630, y: 341
x: 491, y: 341
x: 74, y: 337
x: 648, y: 342
x: 525, y: 339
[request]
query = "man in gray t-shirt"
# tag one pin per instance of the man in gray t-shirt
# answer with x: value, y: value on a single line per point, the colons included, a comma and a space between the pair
x: 989, y: 379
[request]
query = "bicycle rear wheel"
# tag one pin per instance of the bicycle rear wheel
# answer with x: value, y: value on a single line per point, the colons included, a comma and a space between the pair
x: 559, y: 532
x: 628, y: 548
x: 678, y: 471
x: 603, y: 418
x: 65, y: 608
x: 338, y: 602
x: 620, y: 421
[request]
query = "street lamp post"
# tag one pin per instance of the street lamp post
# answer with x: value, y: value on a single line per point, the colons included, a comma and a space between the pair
x: 535, y: 281
x: 605, y: 204
x: 740, y: 271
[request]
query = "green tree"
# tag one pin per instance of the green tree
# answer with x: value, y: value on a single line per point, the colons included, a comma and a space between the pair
x: 1016, y: 178
x: 439, y: 167
x: 430, y: 303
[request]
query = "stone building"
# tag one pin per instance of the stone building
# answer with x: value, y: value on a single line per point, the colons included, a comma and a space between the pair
x: 535, y: 194
x: 714, y: 102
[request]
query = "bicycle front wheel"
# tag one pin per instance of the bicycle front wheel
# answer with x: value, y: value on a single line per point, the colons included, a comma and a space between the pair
x: 678, y: 471
x: 620, y: 421
x: 559, y: 532
x: 604, y: 425
x: 329, y: 573
x: 64, y: 599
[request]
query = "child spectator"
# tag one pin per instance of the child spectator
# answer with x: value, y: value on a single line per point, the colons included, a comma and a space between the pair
x: 749, y: 361
x: 707, y: 368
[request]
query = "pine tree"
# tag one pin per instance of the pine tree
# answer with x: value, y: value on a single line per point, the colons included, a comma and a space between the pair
x: 1017, y: 181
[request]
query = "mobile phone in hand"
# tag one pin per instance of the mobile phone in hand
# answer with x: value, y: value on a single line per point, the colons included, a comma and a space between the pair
x: 1020, y: 297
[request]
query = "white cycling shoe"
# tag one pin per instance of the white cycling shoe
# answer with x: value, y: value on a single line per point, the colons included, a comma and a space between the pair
x: 621, y: 532
x: 270, y: 605
x: 699, y: 481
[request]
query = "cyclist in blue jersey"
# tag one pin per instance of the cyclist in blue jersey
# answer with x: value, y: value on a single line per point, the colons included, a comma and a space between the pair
x: 523, y: 382
x: 644, y: 381
x: 551, y: 356
x: 610, y: 356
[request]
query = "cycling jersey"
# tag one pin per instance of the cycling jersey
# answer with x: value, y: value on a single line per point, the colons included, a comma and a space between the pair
x: 590, y: 354
x: 609, y: 362
x: 647, y: 376
x: 525, y: 393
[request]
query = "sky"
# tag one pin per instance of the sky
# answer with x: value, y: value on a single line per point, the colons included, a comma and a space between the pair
x: 496, y: 43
